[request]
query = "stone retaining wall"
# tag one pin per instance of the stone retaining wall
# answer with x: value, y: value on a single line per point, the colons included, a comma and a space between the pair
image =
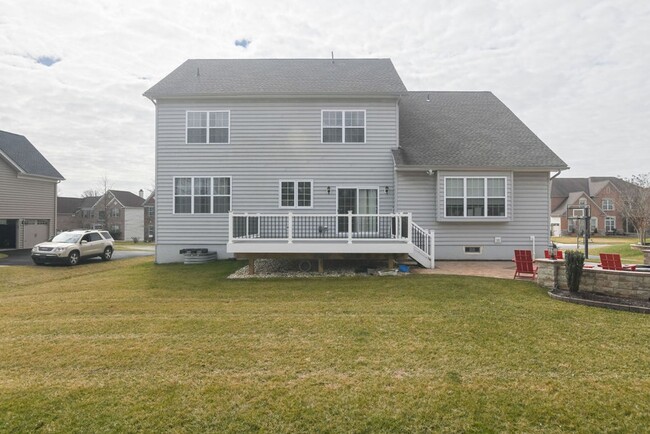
x: 624, y: 284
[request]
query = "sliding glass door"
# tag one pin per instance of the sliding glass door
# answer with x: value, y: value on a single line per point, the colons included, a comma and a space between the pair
x: 359, y: 201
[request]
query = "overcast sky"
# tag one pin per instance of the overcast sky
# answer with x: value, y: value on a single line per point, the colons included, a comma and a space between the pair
x: 72, y: 73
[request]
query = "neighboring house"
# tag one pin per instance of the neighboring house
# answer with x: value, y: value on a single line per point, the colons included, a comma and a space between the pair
x: 150, y: 217
x: 120, y: 212
x: 600, y: 193
x: 28, y: 184
x: 313, y: 157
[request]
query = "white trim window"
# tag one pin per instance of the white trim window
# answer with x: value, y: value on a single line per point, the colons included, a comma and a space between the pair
x: 475, y: 197
x: 608, y: 205
x: 202, y: 195
x: 207, y: 127
x: 343, y: 126
x: 296, y: 193
x: 610, y: 225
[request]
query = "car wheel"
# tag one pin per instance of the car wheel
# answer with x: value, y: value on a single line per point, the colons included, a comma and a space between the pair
x: 37, y: 261
x: 108, y: 254
x: 73, y: 258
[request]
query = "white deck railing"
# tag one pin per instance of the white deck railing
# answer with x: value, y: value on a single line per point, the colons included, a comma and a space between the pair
x: 290, y: 227
x: 329, y: 233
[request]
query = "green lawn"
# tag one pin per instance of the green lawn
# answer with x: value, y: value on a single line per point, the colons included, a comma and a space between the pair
x: 628, y: 254
x: 128, y: 346
x: 3, y: 255
x: 596, y: 240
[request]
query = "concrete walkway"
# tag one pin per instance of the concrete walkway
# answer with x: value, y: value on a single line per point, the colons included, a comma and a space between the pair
x: 498, y: 269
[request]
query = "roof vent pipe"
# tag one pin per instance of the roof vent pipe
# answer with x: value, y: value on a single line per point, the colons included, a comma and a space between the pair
x: 428, y: 97
x: 198, y: 74
x: 332, y: 57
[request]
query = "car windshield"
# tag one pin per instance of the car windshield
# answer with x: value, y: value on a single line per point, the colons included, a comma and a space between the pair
x: 66, y: 238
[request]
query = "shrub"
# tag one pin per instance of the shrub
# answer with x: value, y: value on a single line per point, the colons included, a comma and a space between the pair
x: 135, y: 240
x: 574, y: 260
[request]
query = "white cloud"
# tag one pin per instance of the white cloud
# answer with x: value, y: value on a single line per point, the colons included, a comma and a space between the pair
x: 574, y: 72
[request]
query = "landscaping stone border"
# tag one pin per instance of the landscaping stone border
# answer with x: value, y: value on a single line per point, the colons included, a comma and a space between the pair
x: 622, y: 290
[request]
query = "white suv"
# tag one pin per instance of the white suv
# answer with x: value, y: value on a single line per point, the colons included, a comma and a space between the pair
x: 70, y: 246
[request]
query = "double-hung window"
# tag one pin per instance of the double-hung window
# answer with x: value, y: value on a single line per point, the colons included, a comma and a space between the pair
x: 201, y: 195
x: 475, y: 196
x: 343, y: 126
x: 608, y: 205
x: 295, y: 194
x: 208, y: 127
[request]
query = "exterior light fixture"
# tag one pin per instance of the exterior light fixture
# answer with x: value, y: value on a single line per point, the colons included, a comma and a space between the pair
x: 386, y: 189
x: 328, y: 189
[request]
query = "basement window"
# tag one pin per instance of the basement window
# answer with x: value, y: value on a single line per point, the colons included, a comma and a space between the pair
x: 472, y: 250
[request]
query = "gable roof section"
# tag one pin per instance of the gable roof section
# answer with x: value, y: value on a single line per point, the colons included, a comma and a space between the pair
x: 562, y: 187
x: 151, y: 199
x: 68, y: 205
x: 127, y: 199
x: 232, y: 77
x: 467, y: 130
x: 24, y: 155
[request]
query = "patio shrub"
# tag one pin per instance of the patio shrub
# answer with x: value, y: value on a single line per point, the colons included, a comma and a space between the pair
x: 574, y: 260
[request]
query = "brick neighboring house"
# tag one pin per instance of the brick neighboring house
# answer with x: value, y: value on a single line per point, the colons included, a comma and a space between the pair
x: 121, y: 212
x: 601, y: 194
x: 150, y: 217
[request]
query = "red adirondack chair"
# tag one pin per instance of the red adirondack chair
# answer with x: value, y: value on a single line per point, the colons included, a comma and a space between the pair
x: 612, y: 261
x: 560, y: 255
x: 525, y: 264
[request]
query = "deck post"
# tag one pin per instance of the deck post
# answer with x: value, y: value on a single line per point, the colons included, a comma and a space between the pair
x: 391, y: 263
x: 349, y: 227
x: 409, y: 233
x: 290, y: 228
x: 251, y: 265
x: 320, y: 265
x: 432, y: 253
x: 230, y: 220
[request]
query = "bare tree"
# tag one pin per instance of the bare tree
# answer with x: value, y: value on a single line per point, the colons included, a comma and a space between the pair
x: 91, y: 192
x: 635, y: 203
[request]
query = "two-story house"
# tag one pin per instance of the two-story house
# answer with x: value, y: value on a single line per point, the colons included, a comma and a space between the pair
x: 120, y: 212
x: 600, y: 193
x: 28, y: 185
x: 336, y: 157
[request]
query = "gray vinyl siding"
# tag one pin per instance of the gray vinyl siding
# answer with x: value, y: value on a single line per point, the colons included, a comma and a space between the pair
x: 26, y: 198
x: 528, y: 210
x: 270, y: 140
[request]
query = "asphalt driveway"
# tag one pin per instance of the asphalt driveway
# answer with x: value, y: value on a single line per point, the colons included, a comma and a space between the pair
x: 23, y: 257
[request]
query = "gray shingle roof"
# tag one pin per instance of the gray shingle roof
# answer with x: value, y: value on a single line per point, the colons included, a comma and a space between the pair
x: 279, y: 77
x: 68, y: 205
x: 26, y: 156
x: 127, y: 198
x: 467, y: 130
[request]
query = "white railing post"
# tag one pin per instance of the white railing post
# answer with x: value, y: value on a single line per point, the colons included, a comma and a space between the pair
x: 349, y: 227
x: 409, y: 233
x: 431, y: 248
x: 290, y: 228
x: 230, y: 220
x: 246, y: 222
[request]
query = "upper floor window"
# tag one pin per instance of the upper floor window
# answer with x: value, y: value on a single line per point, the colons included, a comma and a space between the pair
x: 475, y: 197
x: 582, y: 201
x: 201, y: 195
x: 295, y: 194
x: 114, y: 212
x: 151, y: 211
x: 608, y: 205
x: 344, y: 126
x: 208, y: 127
